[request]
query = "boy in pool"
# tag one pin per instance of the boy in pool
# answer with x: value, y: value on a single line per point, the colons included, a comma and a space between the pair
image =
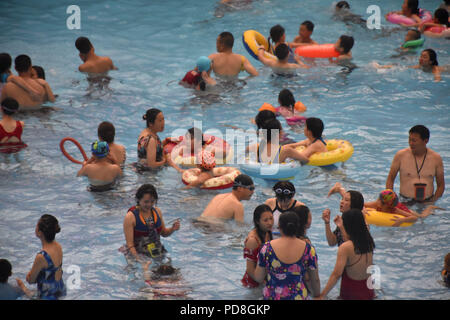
x: 7, y: 291
x: 304, y: 35
x: 92, y: 63
x: 106, y: 132
x: 344, y: 46
x: 411, y: 35
x: 101, y: 169
x: 282, y: 62
x: 205, y: 162
x: 199, y: 78
x: 342, y: 12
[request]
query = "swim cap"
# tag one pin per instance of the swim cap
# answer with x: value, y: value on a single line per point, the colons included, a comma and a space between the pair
x: 100, y: 149
x: 267, y: 106
x: 203, y: 64
x: 206, y: 160
x: 389, y: 197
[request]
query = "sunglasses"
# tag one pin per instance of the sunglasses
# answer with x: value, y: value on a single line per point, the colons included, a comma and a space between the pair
x: 237, y: 184
x: 285, y: 191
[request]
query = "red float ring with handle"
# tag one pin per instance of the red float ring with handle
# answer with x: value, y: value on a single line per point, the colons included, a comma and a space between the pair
x: 68, y: 156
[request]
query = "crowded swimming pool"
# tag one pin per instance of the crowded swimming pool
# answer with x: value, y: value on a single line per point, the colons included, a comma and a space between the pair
x: 153, y: 45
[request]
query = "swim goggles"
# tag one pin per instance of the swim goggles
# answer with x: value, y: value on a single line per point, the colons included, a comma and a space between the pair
x: 238, y: 184
x: 285, y: 191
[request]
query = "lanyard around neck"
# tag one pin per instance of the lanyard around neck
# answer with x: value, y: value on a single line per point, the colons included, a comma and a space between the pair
x: 423, y: 161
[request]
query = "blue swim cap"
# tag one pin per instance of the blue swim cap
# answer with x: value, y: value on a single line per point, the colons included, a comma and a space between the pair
x: 100, y: 149
x: 203, y: 64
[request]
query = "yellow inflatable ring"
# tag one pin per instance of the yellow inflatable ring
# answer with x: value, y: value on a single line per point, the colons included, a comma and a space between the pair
x: 383, y: 219
x: 338, y: 151
x: 223, y: 177
x: 252, y: 39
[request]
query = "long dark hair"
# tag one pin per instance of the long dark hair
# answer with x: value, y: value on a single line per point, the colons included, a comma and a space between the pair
x: 286, y: 99
x: 433, y: 56
x: 356, y: 228
x: 302, y: 213
x: 146, y: 189
x: 259, y: 210
x: 356, y: 200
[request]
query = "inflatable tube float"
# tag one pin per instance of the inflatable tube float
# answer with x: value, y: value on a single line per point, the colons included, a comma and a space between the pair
x: 276, y: 171
x: 414, y: 43
x: 317, y: 51
x: 68, y: 156
x: 396, y: 18
x: 252, y: 39
x: 383, y: 219
x: 223, y: 178
x: 338, y: 151
x: 212, y: 142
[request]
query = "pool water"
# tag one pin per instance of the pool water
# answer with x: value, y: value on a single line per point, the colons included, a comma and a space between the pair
x: 153, y: 44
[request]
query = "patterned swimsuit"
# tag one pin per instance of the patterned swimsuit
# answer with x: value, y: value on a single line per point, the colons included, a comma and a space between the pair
x: 48, y: 287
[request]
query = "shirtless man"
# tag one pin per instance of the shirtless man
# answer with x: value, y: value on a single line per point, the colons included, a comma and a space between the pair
x: 418, y: 166
x: 92, y: 62
x: 28, y: 92
x: 228, y: 205
x: 102, y: 169
x: 282, y: 62
x: 227, y: 63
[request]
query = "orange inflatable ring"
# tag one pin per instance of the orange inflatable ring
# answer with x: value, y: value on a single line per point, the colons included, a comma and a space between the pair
x: 317, y: 51
x: 68, y: 156
x: 223, y: 177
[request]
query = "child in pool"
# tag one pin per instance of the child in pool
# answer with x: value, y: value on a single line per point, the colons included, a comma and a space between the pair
x: 342, y: 12
x: 440, y: 21
x: 304, y: 35
x: 282, y: 63
x: 7, y: 291
x: 388, y: 202
x: 290, y: 109
x: 106, y: 132
x: 411, y: 35
x: 410, y: 9
x: 10, y: 129
x: 199, y: 78
x: 344, y: 46
x: 205, y: 162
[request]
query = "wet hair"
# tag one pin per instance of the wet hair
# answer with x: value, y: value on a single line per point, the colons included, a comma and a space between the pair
x: 242, y: 179
x: 106, y: 131
x: 276, y: 32
x: 356, y: 200
x: 315, y: 125
x: 286, y: 98
x: 165, y: 270
x: 356, y: 228
x: 226, y: 39
x: 49, y: 226
x: 5, y: 62
x: 343, y: 4
x: 269, y: 125
x: 146, y: 189
x: 288, y: 223
x: 5, y: 270
x: 433, y: 56
x: 262, y: 117
x: 196, y: 132
x: 421, y: 130
x: 441, y: 16
x: 150, y: 116
x: 10, y: 106
x: 83, y: 45
x: 309, y: 25
x: 259, y: 210
x: 414, y: 6
x: 347, y: 43
x: 282, y: 51
x: 22, y: 63
x: 302, y: 213
x: 284, y: 185
x: 417, y: 34
x: 39, y: 72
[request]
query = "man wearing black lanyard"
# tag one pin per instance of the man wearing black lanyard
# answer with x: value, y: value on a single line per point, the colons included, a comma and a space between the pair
x: 418, y: 166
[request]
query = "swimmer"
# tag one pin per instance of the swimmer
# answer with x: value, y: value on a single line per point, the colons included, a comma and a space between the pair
x: 106, y: 132
x: 228, y: 206
x: 342, y: 12
x: 163, y: 281
x: 261, y: 118
x: 199, y: 78
x: 206, y: 162
x: 28, y: 92
x: 411, y: 35
x: 304, y: 35
x: 7, y: 291
x: 288, y: 108
x: 227, y: 63
x: 440, y: 20
x: 277, y: 37
x: 282, y: 63
x: 92, y: 63
x: 410, y: 9
x: 5, y: 68
x: 344, y: 46
x: 10, y: 129
x: 102, y: 169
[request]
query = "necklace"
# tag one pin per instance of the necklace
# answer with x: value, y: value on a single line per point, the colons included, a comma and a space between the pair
x: 423, y: 161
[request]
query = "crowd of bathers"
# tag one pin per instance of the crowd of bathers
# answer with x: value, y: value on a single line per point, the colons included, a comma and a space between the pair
x: 278, y: 253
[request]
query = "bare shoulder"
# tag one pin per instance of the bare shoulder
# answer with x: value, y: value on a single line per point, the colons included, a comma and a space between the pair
x: 433, y: 154
x: 401, y: 153
x: 270, y: 202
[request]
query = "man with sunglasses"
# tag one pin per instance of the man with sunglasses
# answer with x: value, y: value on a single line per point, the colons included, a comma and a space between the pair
x: 228, y: 205
x: 283, y: 201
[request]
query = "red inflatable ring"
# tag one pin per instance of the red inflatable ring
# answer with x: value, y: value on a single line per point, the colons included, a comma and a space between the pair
x: 68, y: 156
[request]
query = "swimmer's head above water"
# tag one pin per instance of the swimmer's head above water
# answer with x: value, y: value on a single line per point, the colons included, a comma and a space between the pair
x: 9, y: 106
x: 84, y: 46
x: 100, y: 149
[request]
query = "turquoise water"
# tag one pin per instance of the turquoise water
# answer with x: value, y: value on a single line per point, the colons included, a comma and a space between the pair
x: 153, y: 44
